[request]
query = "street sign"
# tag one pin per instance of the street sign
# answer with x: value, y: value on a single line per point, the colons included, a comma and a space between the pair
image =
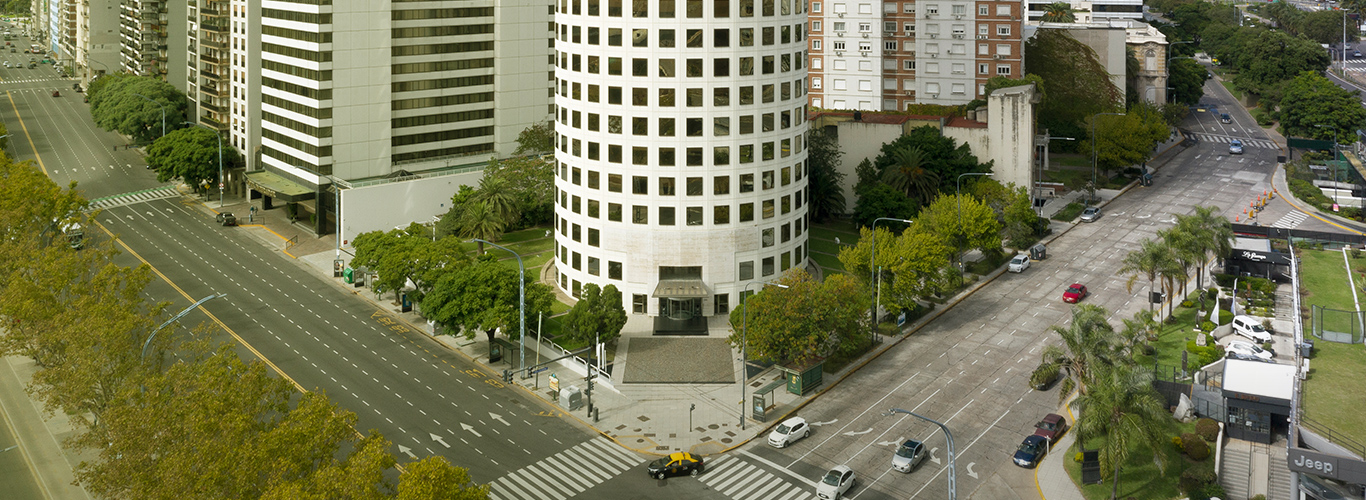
x: 539, y: 370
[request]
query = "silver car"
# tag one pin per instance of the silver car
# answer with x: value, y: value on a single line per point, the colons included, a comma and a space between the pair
x: 1235, y: 147
x: 1246, y: 350
x: 1091, y: 214
x: 908, y: 455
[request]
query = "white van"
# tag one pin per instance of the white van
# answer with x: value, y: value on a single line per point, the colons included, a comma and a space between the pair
x: 1251, y: 328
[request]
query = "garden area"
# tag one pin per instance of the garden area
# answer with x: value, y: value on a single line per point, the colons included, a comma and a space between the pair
x: 1334, y: 367
x: 1188, y: 472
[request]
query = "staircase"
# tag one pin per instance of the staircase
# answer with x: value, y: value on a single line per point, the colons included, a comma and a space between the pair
x: 1279, y: 482
x: 1235, y: 473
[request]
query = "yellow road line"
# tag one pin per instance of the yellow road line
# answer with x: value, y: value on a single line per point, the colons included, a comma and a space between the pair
x: 27, y: 136
x: 23, y: 450
x: 1310, y: 213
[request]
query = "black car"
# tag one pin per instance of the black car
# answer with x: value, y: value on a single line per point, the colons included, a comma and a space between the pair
x: 676, y: 464
x: 1031, y: 451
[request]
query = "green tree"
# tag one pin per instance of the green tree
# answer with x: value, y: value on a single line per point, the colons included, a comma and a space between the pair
x: 408, y: 255
x: 1188, y: 81
x: 1058, y: 12
x: 433, y: 478
x: 909, y: 175
x: 1267, y: 59
x: 1127, y: 140
x: 942, y: 157
x: 1213, y: 232
x: 962, y: 221
x: 531, y: 181
x: 1137, y: 331
x: 1088, y: 344
x: 825, y: 181
x: 807, y: 320
x: 1020, y: 219
x: 881, y: 200
x: 597, y: 317
x: 1326, y: 26
x: 915, y: 263
x: 479, y: 220
x: 496, y: 193
x: 1310, y: 100
x: 191, y: 154
x: 120, y: 109
x: 1075, y: 83
x: 483, y: 296
x: 539, y: 138
x: 1122, y: 406
x: 1151, y: 260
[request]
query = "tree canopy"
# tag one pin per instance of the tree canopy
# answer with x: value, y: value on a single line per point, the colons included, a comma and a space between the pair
x: 408, y: 255
x: 483, y: 296
x: 1075, y: 84
x: 807, y: 320
x: 923, y: 163
x: 1187, y: 80
x: 191, y: 154
x: 116, y: 106
x: 1128, y: 140
x: 1310, y: 100
x: 915, y: 262
x: 597, y: 317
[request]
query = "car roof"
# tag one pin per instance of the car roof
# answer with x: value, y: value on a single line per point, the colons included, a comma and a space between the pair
x: 794, y: 421
x: 1033, y: 439
x: 680, y: 456
x: 841, y: 469
x: 1076, y: 285
x: 1052, y: 418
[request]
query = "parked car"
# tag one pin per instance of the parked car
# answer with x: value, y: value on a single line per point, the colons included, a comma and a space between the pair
x: 835, y: 483
x: 1235, y: 147
x: 789, y: 432
x: 1052, y: 427
x: 908, y: 455
x: 1250, y: 327
x: 676, y: 464
x: 1018, y: 263
x: 1031, y: 451
x: 1239, y: 349
x: 1091, y: 214
x: 1074, y: 293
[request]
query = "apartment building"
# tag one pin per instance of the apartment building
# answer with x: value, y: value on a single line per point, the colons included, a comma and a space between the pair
x: 371, y: 92
x: 1088, y: 11
x: 207, y: 71
x: 96, y: 45
x: 870, y: 55
x: 243, y: 80
x: 681, y: 164
x: 154, y: 38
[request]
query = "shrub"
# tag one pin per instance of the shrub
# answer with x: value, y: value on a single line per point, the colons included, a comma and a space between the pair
x: 1176, y: 440
x: 1072, y: 210
x: 1225, y: 317
x: 1204, y: 355
x: 1214, y: 490
x: 1194, y: 447
x: 1355, y: 252
x: 1207, y: 326
x: 1187, y: 304
x: 1207, y: 428
x: 1078, y: 457
x: 1195, y: 479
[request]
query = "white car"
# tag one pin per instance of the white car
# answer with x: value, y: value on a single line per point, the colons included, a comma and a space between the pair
x: 1091, y: 214
x: 1018, y: 263
x: 789, y: 432
x: 1251, y: 328
x: 835, y: 483
x: 1247, y: 350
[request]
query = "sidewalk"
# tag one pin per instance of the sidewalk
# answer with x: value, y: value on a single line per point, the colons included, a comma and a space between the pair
x: 39, y: 436
x: 1050, y: 476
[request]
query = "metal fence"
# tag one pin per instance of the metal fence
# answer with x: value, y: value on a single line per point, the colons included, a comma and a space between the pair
x: 1279, y: 233
x: 1335, y: 325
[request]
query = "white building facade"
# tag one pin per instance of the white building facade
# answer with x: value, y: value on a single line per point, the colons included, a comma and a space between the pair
x: 681, y: 161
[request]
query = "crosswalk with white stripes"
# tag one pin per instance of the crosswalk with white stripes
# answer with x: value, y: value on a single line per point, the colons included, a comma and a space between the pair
x: 145, y: 195
x: 1290, y: 220
x: 567, y: 473
x: 1254, y: 143
x: 742, y: 480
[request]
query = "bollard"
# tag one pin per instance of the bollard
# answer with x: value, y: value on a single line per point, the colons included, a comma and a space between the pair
x: 595, y: 415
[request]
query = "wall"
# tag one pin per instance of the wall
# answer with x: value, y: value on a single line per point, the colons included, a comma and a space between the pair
x: 386, y: 206
x: 361, y: 55
x: 1111, y: 51
x: 521, y: 71
x: 859, y: 140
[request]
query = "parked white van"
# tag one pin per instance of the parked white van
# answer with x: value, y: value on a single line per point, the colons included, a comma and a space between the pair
x: 1251, y: 328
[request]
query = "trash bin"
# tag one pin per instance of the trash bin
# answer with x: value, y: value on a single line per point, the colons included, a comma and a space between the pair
x: 346, y: 275
x: 407, y: 303
x: 571, y: 398
x: 1307, y: 348
x: 1038, y: 252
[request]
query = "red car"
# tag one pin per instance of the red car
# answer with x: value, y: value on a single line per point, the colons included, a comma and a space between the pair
x: 1074, y: 293
x: 1052, y: 427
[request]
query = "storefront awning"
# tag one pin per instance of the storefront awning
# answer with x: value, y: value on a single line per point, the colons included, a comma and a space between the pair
x: 680, y: 289
x: 273, y: 185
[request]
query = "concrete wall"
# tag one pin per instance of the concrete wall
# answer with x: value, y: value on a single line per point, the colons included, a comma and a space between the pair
x: 860, y: 140
x: 1110, y: 47
x: 386, y: 206
x: 361, y: 90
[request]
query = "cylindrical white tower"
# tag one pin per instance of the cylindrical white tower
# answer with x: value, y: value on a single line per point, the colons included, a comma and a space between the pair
x: 681, y: 156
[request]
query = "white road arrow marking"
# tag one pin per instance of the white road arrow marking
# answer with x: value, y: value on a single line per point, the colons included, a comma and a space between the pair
x: 894, y: 443
x: 818, y: 424
x: 852, y: 433
x: 932, y: 457
x: 970, y: 472
x: 499, y: 418
x: 441, y: 440
x: 408, y: 451
x: 470, y: 428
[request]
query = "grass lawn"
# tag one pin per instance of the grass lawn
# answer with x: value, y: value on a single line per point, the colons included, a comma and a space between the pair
x: 1237, y: 94
x: 1069, y: 160
x: 824, y: 250
x: 1171, y: 341
x: 1334, y: 366
x: 1069, y: 212
x: 1140, y: 478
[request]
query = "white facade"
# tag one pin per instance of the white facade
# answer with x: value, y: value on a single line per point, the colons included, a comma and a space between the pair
x: 1087, y: 11
x: 681, y: 161
x: 244, y: 79
x: 97, y: 39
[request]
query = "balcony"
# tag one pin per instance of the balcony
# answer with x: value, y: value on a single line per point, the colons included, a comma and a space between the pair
x: 214, y: 27
x: 220, y: 92
x: 212, y: 123
x: 211, y: 60
x: 208, y: 42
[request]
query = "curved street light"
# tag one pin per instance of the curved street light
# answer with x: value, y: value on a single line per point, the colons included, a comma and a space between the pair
x: 744, y: 328
x: 953, y: 473
x: 958, y: 195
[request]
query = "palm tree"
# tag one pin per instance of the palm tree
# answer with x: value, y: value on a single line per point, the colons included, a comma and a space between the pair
x: 1213, y: 232
x: 496, y: 192
x: 1150, y: 259
x: 910, y: 176
x: 1122, y: 407
x: 1186, y: 249
x: 1058, y: 12
x: 480, y: 221
x: 1137, y: 331
x: 1088, y: 342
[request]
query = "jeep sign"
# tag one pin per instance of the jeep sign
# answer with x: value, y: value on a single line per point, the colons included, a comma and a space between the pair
x: 1344, y: 469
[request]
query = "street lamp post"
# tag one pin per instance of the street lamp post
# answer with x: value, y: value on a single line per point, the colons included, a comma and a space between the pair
x: 173, y: 319
x: 218, y: 136
x: 872, y: 279
x: 953, y: 474
x: 163, y: 112
x: 521, y: 304
x: 958, y: 193
x: 744, y: 329
x: 1093, y: 152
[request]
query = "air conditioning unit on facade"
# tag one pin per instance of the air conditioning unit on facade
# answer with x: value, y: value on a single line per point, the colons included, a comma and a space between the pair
x: 839, y: 53
x: 910, y: 34
x: 957, y: 16
x: 865, y: 34
x: 909, y: 92
x: 998, y: 56
x: 934, y: 55
x: 839, y: 34
x: 841, y: 14
x: 864, y: 52
x: 889, y: 34
x: 933, y: 35
x: 981, y: 37
x: 958, y: 35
